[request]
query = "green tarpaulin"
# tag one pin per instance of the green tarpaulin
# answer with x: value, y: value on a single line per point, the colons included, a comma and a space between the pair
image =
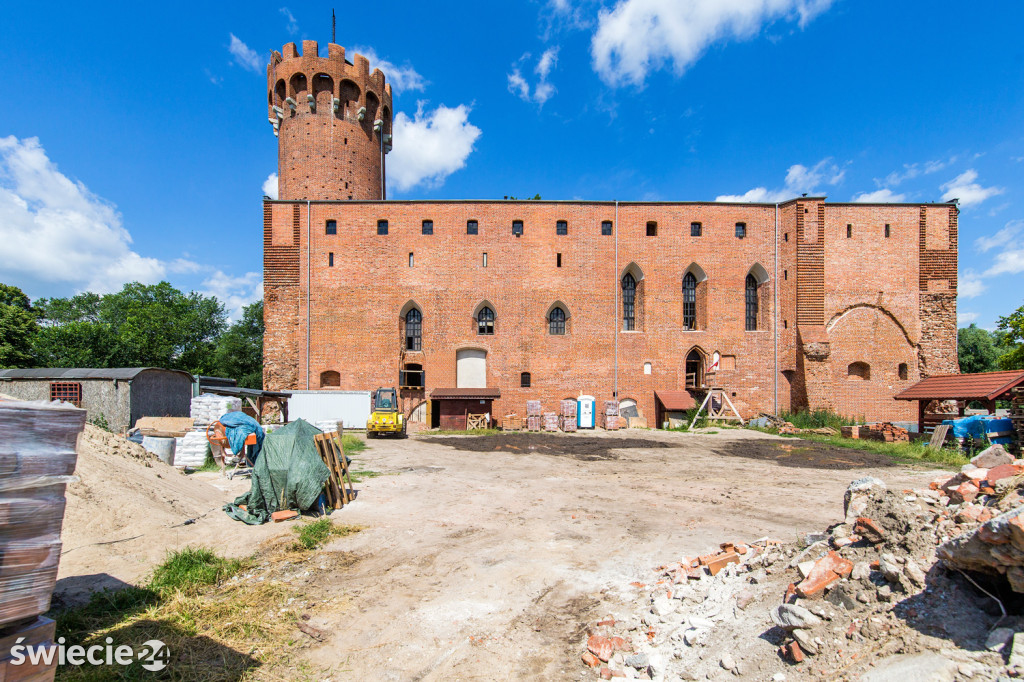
x: 289, y: 474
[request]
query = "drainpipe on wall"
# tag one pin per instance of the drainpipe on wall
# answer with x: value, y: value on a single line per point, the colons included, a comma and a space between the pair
x: 615, y: 312
x: 775, y: 308
x: 308, y: 279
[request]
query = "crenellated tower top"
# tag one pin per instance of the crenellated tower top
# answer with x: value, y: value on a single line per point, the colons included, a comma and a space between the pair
x: 333, y: 122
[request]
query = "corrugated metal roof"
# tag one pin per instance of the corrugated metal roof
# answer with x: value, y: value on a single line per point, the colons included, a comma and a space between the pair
x: 120, y: 373
x: 982, y: 386
x: 676, y: 401
x: 465, y: 393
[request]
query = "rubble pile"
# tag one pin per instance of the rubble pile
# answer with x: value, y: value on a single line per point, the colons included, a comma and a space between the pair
x: 888, y: 589
x: 885, y: 431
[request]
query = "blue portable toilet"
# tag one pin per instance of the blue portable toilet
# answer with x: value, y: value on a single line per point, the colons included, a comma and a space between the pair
x: 586, y: 407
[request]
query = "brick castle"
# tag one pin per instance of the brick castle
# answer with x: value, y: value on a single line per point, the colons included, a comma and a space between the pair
x: 802, y: 304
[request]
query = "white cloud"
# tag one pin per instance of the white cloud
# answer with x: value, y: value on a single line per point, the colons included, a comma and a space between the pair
x: 1009, y: 262
x: 430, y: 146
x: 293, y: 25
x: 234, y: 292
x: 638, y: 36
x: 969, y: 192
x: 402, y: 78
x: 799, y: 180
x: 55, y: 231
x: 970, y: 285
x: 270, y: 186
x: 544, y: 90
x: 1003, y: 237
x: 245, y: 56
x: 913, y: 170
x: 964, y: 319
x: 880, y: 196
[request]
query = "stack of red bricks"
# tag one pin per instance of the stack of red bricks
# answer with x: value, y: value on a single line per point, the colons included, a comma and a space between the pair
x: 886, y: 431
x: 567, y: 418
x: 37, y: 459
x: 550, y: 421
x: 533, y: 415
x: 610, y: 419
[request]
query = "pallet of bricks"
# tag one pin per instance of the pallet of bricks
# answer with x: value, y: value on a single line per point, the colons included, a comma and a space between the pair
x: 610, y: 419
x: 567, y: 415
x: 37, y: 460
x: 550, y: 421
x: 534, y: 415
x: 886, y: 432
x: 1017, y: 416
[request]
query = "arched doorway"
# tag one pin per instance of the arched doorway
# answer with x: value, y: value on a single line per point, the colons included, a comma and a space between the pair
x: 694, y: 369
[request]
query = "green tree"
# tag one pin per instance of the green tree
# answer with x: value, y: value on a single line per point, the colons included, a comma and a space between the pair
x: 18, y: 328
x: 239, y: 352
x: 1011, y: 329
x: 976, y: 350
x: 143, y: 325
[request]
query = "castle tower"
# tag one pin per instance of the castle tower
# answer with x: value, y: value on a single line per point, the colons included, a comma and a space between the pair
x: 333, y: 122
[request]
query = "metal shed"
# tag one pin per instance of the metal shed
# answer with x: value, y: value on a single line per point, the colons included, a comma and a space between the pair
x: 121, y: 395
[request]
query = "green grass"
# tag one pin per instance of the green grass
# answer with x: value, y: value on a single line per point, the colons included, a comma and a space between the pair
x: 210, y: 464
x: 358, y: 476
x: 816, y: 419
x: 904, y: 452
x: 352, y: 443
x: 316, y: 533
x: 191, y: 568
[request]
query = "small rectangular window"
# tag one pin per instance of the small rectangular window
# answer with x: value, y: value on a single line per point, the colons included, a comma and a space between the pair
x: 785, y: 274
x: 606, y: 227
x: 562, y: 227
x: 331, y: 227
x: 410, y: 259
x: 382, y: 227
x: 785, y: 324
x: 524, y: 380
x: 741, y: 230
x: 67, y: 391
x: 517, y: 228
x: 558, y: 261
x: 428, y: 227
x: 887, y: 230
x: 849, y: 231
x: 330, y: 259
x: 472, y: 227
x: 695, y: 229
x: 485, y: 259
x: 786, y: 236
x: 652, y: 228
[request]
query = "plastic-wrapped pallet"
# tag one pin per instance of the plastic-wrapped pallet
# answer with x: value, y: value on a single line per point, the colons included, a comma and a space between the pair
x: 568, y: 424
x: 190, y: 450
x: 533, y: 422
x: 37, y: 460
x: 533, y: 408
x: 550, y: 421
x: 568, y: 408
x: 208, y: 408
x: 611, y: 408
x: 611, y: 422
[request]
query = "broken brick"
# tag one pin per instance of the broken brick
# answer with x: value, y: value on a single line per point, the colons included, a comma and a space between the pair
x: 619, y: 644
x: 601, y: 647
x: 721, y: 561
x: 869, y: 530
x: 590, y: 659
x: 602, y: 623
x: 826, y: 571
x: 1003, y: 471
x: 965, y: 492
x: 790, y: 594
x: 793, y: 652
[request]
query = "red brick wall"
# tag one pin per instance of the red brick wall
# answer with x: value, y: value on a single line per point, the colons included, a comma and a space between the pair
x: 864, y: 305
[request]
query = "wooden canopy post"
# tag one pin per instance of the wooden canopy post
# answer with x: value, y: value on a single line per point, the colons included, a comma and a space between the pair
x: 920, y: 415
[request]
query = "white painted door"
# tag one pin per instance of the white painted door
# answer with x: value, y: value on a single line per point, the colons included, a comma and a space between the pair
x: 471, y: 368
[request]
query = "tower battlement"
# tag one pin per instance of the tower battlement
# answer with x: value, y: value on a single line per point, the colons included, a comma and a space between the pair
x: 333, y: 120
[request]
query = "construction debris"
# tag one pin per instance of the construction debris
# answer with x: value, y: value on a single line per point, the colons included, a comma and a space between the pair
x: 903, y: 588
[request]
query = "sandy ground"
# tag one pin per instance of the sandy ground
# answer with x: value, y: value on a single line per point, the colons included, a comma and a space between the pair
x: 485, y: 565
x: 126, y: 510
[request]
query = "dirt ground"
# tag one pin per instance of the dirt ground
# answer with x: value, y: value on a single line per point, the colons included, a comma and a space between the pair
x: 483, y: 557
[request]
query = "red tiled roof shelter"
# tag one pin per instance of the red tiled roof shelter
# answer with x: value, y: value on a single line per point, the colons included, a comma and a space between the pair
x: 671, y: 401
x: 986, y: 387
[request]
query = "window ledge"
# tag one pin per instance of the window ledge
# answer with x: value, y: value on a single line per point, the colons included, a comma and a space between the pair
x: 630, y: 331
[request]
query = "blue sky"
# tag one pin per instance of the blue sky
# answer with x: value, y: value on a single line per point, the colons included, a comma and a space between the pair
x: 135, y: 145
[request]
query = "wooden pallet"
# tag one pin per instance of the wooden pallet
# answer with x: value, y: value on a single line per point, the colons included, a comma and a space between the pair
x: 338, y: 488
x: 476, y: 421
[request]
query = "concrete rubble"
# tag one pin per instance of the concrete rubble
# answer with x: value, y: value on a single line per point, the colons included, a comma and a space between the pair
x: 911, y: 585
